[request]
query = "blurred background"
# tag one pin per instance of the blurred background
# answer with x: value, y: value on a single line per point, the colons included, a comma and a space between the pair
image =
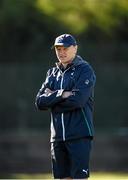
x: 27, y: 31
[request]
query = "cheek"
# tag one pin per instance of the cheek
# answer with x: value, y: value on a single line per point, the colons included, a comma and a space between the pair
x: 75, y: 50
x: 72, y: 53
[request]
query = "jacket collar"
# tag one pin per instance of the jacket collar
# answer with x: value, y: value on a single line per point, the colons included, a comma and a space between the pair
x: 76, y: 61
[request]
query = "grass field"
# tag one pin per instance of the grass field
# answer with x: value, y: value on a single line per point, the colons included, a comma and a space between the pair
x: 94, y: 176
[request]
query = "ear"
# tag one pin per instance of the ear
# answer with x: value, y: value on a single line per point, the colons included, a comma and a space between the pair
x: 76, y: 47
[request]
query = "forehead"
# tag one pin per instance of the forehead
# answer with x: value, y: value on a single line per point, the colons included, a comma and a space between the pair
x: 63, y: 47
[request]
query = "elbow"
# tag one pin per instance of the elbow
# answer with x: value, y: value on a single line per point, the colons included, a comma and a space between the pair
x: 39, y: 105
x: 79, y: 102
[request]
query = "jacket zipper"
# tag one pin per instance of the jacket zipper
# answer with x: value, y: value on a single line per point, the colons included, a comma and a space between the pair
x: 62, y: 114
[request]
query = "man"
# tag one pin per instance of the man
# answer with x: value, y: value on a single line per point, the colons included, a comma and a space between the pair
x: 69, y: 91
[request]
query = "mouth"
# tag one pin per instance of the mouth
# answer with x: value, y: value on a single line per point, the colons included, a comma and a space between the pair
x: 62, y: 57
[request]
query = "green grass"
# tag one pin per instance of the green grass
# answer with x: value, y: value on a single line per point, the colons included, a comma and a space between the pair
x: 94, y: 176
x: 108, y: 176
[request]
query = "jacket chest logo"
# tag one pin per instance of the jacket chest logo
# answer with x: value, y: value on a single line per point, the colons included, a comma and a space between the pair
x: 73, y: 71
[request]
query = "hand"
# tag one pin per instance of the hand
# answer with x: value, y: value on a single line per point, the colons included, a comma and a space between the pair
x: 48, y: 91
x: 66, y: 94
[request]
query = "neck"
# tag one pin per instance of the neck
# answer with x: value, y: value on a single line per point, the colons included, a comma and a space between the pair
x: 65, y: 64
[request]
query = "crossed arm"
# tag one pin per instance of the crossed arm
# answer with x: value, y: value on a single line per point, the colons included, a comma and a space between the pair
x: 65, y: 94
x: 46, y: 98
x: 61, y: 100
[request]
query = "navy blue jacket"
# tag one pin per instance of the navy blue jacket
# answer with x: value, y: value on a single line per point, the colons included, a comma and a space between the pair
x: 71, y: 118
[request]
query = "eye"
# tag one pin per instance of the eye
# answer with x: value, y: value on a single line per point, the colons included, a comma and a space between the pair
x: 66, y: 48
x: 58, y: 48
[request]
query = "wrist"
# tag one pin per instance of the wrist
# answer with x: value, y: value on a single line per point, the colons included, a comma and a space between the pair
x: 66, y: 94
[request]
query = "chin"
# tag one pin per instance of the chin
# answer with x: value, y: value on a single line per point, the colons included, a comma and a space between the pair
x: 63, y: 61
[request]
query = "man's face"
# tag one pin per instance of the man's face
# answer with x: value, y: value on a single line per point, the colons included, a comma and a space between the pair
x: 65, y: 54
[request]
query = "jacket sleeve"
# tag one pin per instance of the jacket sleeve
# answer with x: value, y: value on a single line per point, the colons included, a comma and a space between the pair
x: 43, y: 100
x: 81, y: 93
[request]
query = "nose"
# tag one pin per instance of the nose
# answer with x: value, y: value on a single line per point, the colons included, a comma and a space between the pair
x: 62, y: 51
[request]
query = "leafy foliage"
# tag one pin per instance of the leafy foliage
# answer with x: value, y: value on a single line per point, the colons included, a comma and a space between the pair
x: 28, y: 27
x: 78, y: 16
